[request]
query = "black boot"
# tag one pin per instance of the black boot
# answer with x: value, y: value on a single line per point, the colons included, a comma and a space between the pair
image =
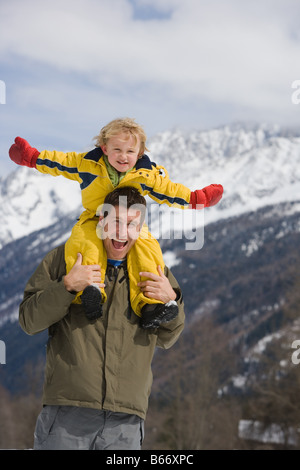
x: 91, y: 299
x: 155, y: 314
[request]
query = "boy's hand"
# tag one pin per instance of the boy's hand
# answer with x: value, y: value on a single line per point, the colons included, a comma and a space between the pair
x: 208, y: 196
x: 23, y: 154
x: 157, y: 287
x: 81, y: 276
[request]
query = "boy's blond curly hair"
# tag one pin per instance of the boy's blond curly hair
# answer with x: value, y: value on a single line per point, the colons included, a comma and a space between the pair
x: 119, y: 125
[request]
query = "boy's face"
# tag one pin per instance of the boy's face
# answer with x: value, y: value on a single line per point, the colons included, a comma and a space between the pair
x: 122, y: 151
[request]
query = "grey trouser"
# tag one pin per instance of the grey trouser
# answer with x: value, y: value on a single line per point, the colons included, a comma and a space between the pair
x: 72, y: 427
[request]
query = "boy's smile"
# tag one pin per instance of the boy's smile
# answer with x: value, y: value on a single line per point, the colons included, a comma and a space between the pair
x: 122, y: 151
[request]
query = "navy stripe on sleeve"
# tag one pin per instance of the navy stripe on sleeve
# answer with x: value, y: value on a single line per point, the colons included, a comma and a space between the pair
x: 162, y: 197
x: 59, y: 166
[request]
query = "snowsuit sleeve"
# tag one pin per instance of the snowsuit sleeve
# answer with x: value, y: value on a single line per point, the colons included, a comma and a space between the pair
x: 60, y: 163
x: 162, y: 190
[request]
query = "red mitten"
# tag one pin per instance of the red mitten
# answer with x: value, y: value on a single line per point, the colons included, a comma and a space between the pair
x: 23, y: 154
x: 208, y: 196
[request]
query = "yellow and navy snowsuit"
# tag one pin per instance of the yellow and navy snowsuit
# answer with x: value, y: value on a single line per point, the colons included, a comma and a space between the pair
x: 90, y: 170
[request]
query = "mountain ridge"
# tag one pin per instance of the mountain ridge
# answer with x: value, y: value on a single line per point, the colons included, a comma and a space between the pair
x: 257, y: 165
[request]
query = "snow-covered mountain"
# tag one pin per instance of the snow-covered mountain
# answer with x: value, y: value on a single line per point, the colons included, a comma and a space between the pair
x: 258, y: 165
x: 30, y: 201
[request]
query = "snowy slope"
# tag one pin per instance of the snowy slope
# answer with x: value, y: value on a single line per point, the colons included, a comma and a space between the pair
x: 257, y: 165
x: 30, y: 201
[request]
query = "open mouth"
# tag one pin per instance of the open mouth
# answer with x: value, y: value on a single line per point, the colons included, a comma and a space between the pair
x: 119, y: 245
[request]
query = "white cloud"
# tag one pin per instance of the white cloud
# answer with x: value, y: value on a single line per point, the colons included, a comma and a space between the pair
x: 222, y: 50
x: 192, y: 61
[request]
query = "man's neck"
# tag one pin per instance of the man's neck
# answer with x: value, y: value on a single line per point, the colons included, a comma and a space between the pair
x: 115, y: 262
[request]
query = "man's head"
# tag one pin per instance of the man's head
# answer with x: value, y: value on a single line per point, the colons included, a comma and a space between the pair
x: 120, y: 221
x: 123, y: 141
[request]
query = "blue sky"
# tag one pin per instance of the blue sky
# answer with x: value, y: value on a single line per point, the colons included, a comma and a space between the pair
x: 70, y: 66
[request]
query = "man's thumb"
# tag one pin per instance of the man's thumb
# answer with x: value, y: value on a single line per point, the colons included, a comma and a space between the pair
x: 79, y: 259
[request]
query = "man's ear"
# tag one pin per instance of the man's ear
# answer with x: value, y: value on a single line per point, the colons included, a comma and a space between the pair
x: 100, y: 226
x: 99, y: 211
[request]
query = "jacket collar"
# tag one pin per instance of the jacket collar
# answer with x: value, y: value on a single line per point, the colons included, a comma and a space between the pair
x: 143, y: 162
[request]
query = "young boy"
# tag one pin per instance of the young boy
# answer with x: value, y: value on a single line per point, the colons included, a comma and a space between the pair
x: 118, y: 160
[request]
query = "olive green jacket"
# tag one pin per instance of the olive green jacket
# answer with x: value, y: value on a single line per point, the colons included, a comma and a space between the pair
x: 104, y: 364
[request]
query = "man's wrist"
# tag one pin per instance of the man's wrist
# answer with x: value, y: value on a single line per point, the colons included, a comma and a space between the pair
x: 177, y: 293
x: 67, y: 285
x: 173, y: 295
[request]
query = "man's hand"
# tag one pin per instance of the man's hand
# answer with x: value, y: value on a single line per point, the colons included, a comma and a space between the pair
x: 82, y: 276
x: 157, y: 287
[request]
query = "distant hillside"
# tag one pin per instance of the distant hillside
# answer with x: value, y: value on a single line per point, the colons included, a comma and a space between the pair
x: 240, y: 278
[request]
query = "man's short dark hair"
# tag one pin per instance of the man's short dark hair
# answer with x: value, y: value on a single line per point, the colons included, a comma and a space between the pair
x: 132, y: 194
x: 125, y: 196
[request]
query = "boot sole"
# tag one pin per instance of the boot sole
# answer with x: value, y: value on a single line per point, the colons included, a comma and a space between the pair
x: 91, y: 299
x: 164, y: 316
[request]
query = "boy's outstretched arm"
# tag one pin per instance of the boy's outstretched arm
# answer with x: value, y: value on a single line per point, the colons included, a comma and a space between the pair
x: 23, y: 154
x: 48, y: 162
x: 164, y: 191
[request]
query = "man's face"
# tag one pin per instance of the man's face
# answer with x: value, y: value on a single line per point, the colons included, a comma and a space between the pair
x: 122, y: 151
x: 120, y: 230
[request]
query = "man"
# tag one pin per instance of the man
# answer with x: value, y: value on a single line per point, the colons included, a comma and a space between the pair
x: 98, y: 372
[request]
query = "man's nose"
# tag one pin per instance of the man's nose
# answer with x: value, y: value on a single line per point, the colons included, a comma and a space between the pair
x: 122, y: 232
